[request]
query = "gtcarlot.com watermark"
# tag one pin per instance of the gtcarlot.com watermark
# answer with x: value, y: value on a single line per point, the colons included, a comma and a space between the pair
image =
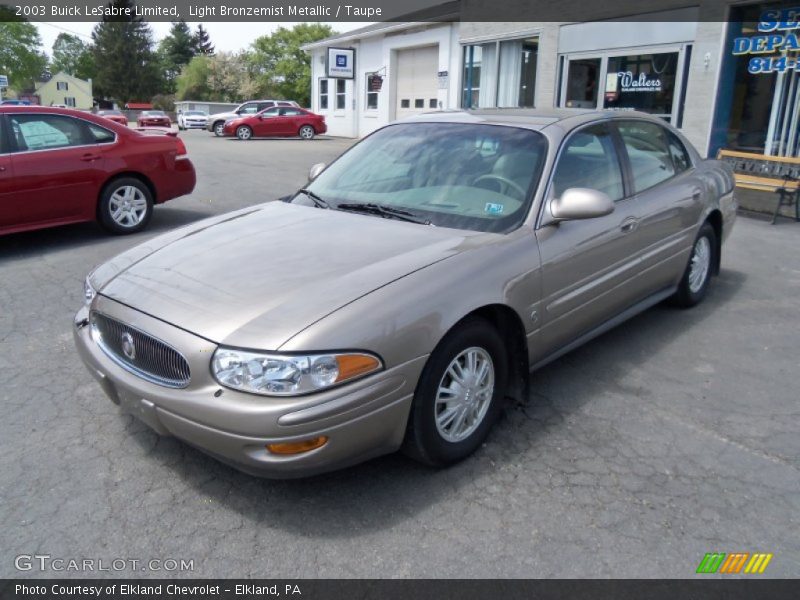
x: 47, y: 563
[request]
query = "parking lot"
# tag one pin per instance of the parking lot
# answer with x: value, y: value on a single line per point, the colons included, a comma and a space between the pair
x: 671, y: 436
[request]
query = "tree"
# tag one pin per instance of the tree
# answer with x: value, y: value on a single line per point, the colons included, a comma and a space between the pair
x: 279, y: 63
x: 192, y: 83
x: 220, y: 78
x: 175, y: 51
x: 72, y: 55
x: 127, y: 67
x: 20, y: 57
x: 202, y: 42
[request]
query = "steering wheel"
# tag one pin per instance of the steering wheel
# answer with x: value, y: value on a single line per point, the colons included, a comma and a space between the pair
x: 506, y: 184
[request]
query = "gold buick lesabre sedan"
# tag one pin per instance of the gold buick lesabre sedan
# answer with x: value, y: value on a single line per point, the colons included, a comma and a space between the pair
x: 408, y: 290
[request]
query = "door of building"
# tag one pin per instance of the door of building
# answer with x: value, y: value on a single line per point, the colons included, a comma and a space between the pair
x: 417, y: 82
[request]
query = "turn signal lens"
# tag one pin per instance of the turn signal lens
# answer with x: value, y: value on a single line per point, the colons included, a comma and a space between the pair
x: 355, y: 365
x: 298, y: 447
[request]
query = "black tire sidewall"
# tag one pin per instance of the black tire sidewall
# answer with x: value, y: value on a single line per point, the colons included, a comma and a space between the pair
x: 423, y: 440
x: 104, y: 211
x: 685, y: 296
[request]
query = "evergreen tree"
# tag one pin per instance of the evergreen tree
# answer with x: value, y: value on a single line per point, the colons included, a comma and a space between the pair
x: 127, y: 67
x: 202, y: 42
x: 175, y: 51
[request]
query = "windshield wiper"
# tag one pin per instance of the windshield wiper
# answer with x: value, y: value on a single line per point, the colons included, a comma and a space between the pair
x: 314, y: 198
x: 384, y: 211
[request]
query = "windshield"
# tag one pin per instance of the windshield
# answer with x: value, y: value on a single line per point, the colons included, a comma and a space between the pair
x: 152, y: 113
x: 460, y: 175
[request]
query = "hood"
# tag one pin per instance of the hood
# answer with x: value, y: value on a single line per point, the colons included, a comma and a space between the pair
x: 260, y: 276
x: 224, y: 115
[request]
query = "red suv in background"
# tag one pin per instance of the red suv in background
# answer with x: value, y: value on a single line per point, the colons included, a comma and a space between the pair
x: 279, y: 121
x: 59, y: 166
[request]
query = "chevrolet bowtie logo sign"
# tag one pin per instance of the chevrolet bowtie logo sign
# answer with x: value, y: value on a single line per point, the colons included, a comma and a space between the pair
x: 737, y: 562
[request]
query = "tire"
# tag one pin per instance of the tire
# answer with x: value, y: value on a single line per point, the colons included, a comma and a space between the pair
x: 440, y: 441
x: 306, y: 132
x: 244, y: 133
x: 126, y: 206
x: 697, y: 276
x: 219, y: 128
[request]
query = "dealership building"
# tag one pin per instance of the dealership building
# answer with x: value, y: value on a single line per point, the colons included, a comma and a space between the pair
x: 701, y: 75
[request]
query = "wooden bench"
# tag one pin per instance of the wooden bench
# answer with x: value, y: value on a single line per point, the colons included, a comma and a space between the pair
x: 779, y: 174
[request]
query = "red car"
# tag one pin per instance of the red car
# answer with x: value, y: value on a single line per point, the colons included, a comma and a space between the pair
x: 153, y: 118
x: 114, y: 115
x: 59, y: 166
x: 278, y: 121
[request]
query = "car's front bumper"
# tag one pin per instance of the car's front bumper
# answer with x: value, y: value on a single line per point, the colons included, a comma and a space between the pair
x: 361, y: 420
x: 194, y: 125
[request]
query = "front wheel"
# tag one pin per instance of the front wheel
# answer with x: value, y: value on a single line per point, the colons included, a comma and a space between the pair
x: 459, y: 395
x: 244, y: 133
x: 306, y: 132
x: 697, y: 276
x: 126, y: 206
x: 219, y: 128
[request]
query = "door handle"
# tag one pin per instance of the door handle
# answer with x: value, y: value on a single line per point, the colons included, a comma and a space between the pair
x: 90, y: 157
x: 629, y: 225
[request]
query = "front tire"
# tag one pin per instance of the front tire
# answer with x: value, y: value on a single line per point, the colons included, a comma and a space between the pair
x: 306, y: 132
x: 126, y: 206
x: 219, y: 128
x: 244, y: 133
x: 459, y: 395
x: 697, y: 276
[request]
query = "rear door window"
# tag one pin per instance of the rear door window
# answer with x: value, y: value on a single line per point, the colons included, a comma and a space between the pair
x: 648, y: 153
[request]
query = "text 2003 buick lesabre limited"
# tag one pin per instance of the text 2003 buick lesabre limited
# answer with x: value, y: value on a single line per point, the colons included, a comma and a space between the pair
x: 398, y: 299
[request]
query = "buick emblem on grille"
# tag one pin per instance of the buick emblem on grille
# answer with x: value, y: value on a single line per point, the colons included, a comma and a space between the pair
x: 128, y: 347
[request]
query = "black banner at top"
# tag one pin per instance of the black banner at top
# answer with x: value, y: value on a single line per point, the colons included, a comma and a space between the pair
x: 378, y: 10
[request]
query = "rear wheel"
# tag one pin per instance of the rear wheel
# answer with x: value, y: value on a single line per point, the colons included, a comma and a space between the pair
x: 219, y: 128
x: 459, y: 395
x: 307, y: 132
x: 126, y: 205
x: 244, y: 133
x: 697, y: 277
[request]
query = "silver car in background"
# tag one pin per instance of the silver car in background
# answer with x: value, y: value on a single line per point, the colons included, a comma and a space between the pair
x: 409, y: 290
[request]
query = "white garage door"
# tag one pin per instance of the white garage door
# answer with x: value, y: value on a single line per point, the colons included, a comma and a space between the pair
x: 417, y: 82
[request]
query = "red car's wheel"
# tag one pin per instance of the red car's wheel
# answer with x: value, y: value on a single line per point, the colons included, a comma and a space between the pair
x: 126, y: 205
x: 244, y: 133
x: 306, y: 132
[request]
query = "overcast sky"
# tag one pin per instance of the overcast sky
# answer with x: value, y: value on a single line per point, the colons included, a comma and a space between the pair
x: 225, y: 36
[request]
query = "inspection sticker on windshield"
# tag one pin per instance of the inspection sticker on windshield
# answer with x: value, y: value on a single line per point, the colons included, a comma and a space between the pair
x: 492, y: 208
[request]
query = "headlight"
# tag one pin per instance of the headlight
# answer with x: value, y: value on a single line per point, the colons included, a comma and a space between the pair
x: 88, y: 291
x: 286, y: 375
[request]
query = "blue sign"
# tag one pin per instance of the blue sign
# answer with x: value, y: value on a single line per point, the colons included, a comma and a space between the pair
x: 341, y: 63
x: 3, y: 81
x: 341, y: 60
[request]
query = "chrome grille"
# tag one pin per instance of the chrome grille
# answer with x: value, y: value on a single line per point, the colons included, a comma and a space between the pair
x: 146, y: 356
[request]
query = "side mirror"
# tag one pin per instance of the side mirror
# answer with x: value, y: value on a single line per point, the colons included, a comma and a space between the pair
x: 581, y: 203
x: 314, y: 171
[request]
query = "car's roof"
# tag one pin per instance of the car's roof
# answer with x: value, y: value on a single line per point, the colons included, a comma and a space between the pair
x: 528, y: 118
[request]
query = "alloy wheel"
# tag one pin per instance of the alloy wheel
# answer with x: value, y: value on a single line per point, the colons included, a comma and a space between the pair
x: 127, y: 206
x: 700, y: 264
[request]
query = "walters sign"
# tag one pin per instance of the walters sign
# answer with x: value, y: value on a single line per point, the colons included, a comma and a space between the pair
x: 778, y: 35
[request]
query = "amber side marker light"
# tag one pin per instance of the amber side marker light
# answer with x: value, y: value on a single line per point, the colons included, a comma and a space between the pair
x: 298, y: 447
x: 353, y: 365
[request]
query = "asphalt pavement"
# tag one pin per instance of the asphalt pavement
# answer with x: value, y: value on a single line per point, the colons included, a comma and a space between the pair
x: 674, y: 435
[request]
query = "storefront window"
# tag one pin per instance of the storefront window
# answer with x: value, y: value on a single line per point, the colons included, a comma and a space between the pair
x: 340, y: 93
x: 644, y: 82
x: 372, y: 96
x: 500, y: 73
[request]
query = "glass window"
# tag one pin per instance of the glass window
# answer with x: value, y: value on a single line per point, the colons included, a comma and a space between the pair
x: 3, y: 142
x: 44, y: 132
x: 644, y: 82
x: 433, y: 103
x: 517, y: 76
x: 480, y: 71
x: 69, y: 101
x: 589, y: 160
x: 582, y: 83
x: 271, y: 112
x: 405, y: 103
x: 340, y: 93
x: 290, y: 112
x: 323, y: 94
x: 461, y: 175
x: 249, y: 109
x: 372, y: 97
x: 62, y: 86
x: 419, y: 103
x: 648, y: 153
x: 680, y: 157
x: 101, y: 135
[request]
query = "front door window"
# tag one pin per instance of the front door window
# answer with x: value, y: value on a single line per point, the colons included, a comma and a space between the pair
x: 582, y: 83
